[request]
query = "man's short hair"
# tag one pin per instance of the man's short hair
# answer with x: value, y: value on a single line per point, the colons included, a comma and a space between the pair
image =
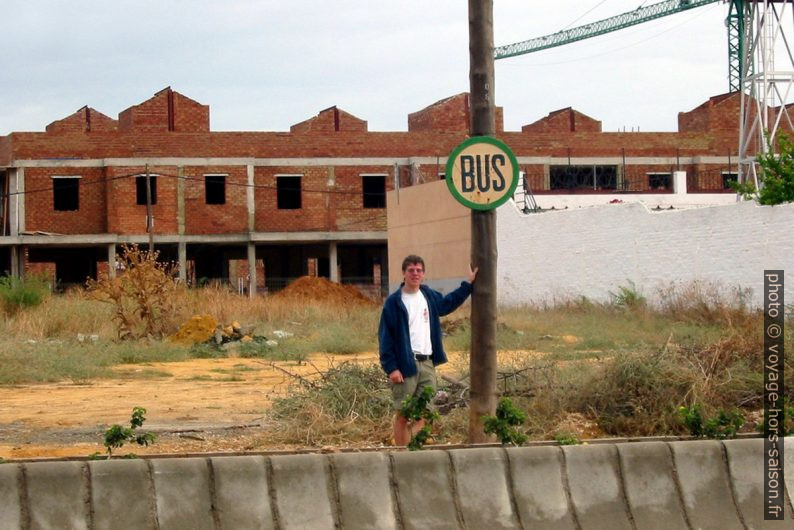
x: 413, y: 260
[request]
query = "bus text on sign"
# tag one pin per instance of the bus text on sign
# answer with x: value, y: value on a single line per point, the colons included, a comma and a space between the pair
x: 482, y: 173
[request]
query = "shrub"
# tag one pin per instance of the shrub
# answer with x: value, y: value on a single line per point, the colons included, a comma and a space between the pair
x: 348, y: 403
x: 628, y: 297
x: 143, y: 294
x: 116, y: 436
x: 19, y: 293
x: 723, y: 425
x: 777, y: 177
x: 504, y: 423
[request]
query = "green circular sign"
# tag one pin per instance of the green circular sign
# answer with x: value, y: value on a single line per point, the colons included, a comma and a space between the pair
x: 482, y: 173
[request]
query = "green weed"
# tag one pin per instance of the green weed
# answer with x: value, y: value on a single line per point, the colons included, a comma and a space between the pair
x: 417, y: 408
x: 116, y: 435
x: 504, y: 424
x: 721, y: 426
x: 17, y: 294
x: 566, y: 438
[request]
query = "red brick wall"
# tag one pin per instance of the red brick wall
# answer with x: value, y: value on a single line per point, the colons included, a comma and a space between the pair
x: 41, y: 270
x: 189, y: 115
x: 125, y: 216
x: 330, y: 120
x: 166, y: 111
x: 565, y: 120
x: 719, y: 113
x: 323, y: 208
x: 143, y: 131
x: 203, y: 218
x: 40, y: 214
x: 5, y: 149
x: 348, y: 201
x: 449, y: 115
x: 84, y: 120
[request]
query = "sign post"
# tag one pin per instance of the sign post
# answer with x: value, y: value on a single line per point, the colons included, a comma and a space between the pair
x: 482, y: 173
x: 483, y: 226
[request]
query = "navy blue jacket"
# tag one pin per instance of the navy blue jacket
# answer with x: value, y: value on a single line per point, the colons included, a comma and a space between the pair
x: 393, y: 334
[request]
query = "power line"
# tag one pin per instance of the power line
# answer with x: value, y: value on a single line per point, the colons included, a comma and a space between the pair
x: 104, y: 180
x: 699, y: 13
x: 580, y: 17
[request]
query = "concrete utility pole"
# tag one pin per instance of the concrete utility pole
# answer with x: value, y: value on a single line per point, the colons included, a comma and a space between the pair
x: 149, y: 217
x: 483, y: 226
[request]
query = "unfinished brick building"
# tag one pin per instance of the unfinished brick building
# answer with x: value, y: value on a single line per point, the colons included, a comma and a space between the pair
x: 307, y: 201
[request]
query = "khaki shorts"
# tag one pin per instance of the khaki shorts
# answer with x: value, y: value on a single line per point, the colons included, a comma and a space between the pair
x: 412, y: 386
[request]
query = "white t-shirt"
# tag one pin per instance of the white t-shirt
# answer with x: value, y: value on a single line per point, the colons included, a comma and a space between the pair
x: 418, y: 322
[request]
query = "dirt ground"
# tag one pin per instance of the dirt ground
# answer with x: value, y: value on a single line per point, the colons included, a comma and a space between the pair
x: 196, y: 406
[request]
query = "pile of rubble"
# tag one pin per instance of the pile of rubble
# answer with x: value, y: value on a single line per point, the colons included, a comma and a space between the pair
x: 205, y: 329
x: 314, y: 289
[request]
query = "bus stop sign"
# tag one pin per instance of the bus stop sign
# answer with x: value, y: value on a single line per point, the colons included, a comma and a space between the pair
x: 482, y: 173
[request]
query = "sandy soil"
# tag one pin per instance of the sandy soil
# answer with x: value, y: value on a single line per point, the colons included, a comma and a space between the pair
x: 201, y: 405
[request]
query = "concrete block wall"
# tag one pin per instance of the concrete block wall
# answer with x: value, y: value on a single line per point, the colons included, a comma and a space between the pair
x: 592, y: 251
x: 648, y: 485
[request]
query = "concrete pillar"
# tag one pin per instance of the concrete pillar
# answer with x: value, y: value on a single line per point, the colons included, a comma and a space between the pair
x: 311, y: 267
x: 251, y: 199
x: 15, y: 268
x: 182, y: 257
x: 333, y: 266
x: 112, y: 260
x: 679, y: 182
x: 376, y: 274
x: 16, y: 206
x: 180, y: 201
x: 251, y: 270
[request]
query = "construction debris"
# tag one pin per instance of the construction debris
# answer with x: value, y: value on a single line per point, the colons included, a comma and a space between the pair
x: 200, y: 328
x: 314, y: 289
x: 204, y: 328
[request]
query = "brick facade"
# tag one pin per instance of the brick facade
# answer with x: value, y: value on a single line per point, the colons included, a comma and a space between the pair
x: 564, y: 120
x: 169, y: 137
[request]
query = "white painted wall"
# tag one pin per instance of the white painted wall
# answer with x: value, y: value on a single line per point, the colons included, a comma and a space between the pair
x: 592, y: 251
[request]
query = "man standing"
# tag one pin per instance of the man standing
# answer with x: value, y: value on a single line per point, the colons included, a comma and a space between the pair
x: 410, y: 337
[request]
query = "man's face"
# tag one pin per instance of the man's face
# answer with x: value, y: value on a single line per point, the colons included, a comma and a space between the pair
x: 413, y: 275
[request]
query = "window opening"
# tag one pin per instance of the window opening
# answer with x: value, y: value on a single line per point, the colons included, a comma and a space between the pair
x: 288, y: 192
x: 66, y: 194
x: 583, y: 177
x: 660, y: 181
x: 215, y: 189
x: 374, y: 189
x: 727, y: 178
x: 140, y: 189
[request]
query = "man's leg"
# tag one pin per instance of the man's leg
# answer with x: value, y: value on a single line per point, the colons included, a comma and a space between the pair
x: 402, y: 434
x: 405, y: 430
x: 400, y: 391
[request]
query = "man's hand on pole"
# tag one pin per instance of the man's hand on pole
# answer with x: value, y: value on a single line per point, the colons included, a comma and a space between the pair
x: 473, y: 273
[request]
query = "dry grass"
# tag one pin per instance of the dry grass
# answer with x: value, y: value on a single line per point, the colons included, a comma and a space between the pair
x: 621, y: 369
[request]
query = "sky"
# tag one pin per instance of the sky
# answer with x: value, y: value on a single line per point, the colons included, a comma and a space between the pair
x: 263, y: 65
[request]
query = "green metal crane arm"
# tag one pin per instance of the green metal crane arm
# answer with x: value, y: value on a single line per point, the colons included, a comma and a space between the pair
x: 638, y: 16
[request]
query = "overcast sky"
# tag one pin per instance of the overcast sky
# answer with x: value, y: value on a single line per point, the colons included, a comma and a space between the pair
x: 266, y: 64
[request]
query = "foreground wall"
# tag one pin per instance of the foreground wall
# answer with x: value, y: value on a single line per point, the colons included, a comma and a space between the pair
x: 700, y: 484
x: 592, y: 251
x: 427, y: 221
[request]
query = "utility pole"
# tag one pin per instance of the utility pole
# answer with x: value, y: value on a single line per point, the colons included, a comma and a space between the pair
x: 149, y: 218
x: 483, y: 226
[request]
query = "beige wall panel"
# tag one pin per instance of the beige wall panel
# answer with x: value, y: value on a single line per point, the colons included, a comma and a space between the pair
x: 426, y: 220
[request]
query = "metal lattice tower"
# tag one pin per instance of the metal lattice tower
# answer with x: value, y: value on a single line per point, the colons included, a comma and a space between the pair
x: 767, y: 79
